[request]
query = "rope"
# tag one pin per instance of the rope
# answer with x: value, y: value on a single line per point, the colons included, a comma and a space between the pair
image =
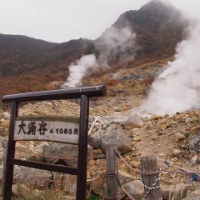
x: 54, y: 157
x: 155, y: 173
x: 106, y: 174
x: 50, y: 180
x: 96, y: 178
x: 47, y: 179
x: 135, y: 170
x: 180, y: 172
x: 129, y: 196
x: 120, y: 185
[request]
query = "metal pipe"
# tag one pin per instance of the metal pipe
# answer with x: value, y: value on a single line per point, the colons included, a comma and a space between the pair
x: 92, y: 91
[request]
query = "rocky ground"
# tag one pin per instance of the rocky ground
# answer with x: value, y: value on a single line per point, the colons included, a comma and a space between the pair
x: 170, y: 138
x: 174, y: 140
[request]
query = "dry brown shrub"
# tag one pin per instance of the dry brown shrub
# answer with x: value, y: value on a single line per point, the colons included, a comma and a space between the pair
x: 53, y: 85
x: 139, y: 89
x: 112, y: 81
x: 149, y: 80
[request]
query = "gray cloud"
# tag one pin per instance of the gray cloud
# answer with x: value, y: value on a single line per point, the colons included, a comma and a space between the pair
x: 60, y: 21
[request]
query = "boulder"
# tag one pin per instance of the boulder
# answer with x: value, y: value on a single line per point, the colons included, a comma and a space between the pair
x: 6, y: 115
x: 177, y: 152
x: 133, y: 122
x: 64, y: 153
x: 37, y: 153
x: 93, y: 139
x: 4, y: 141
x: 97, y: 128
x: 180, y: 136
x: 51, y: 151
x: 32, y: 176
x: 135, y: 189
x: 195, y: 142
x: 115, y: 136
x: 69, y: 154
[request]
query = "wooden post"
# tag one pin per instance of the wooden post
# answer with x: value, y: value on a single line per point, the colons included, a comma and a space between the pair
x: 7, y: 193
x: 82, y: 151
x: 150, y: 177
x: 112, y: 191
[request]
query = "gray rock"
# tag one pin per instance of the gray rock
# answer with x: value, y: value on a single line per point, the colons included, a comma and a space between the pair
x: 135, y: 189
x: 115, y: 135
x: 51, y: 151
x: 37, y: 152
x: 6, y: 115
x: 104, y: 126
x: 195, y: 142
x: 32, y: 176
x: 184, y: 146
x: 194, y: 159
x: 180, y: 136
x: 186, y: 133
x: 94, y: 138
x: 67, y: 153
x: 117, y: 110
x: 177, y: 152
x: 133, y: 122
x: 4, y: 141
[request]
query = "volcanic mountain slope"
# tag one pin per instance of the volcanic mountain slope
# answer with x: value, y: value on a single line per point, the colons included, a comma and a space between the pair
x: 21, y: 53
x: 158, y: 29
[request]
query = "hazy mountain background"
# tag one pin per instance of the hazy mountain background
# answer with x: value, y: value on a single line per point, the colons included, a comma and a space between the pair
x: 28, y: 64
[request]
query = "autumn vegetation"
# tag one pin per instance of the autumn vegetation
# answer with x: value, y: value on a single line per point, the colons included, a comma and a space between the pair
x: 28, y: 64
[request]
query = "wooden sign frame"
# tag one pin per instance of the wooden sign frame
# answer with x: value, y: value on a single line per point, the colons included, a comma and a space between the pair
x: 84, y: 94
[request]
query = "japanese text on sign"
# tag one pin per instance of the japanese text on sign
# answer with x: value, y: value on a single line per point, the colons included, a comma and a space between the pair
x: 53, y: 129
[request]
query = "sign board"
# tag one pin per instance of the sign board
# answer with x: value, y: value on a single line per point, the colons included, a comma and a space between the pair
x: 47, y: 128
x: 61, y: 129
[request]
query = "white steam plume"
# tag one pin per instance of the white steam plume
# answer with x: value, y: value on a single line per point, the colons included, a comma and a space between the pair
x: 80, y: 69
x: 113, y: 42
x: 117, y: 41
x: 177, y: 89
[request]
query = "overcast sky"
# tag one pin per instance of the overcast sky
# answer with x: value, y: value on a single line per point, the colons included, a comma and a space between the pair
x: 63, y: 20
